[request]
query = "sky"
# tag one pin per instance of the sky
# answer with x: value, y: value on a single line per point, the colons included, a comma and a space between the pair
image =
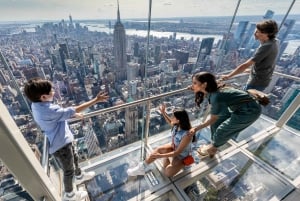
x: 26, y: 10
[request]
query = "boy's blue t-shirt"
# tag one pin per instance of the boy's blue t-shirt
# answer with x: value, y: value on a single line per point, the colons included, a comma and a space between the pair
x: 52, y: 120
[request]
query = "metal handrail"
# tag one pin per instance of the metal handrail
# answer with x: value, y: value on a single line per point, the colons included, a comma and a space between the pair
x: 126, y: 105
x: 288, y: 76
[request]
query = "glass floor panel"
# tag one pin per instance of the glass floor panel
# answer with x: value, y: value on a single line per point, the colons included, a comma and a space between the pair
x: 281, y: 151
x: 236, y: 178
x: 256, y: 127
x: 112, y: 182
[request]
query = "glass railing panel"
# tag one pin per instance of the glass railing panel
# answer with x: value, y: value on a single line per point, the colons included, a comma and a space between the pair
x: 187, y: 41
x: 281, y: 152
x: 10, y: 188
x: 240, y: 43
x: 294, y: 121
x: 108, y: 131
x: 282, y: 92
x: 237, y: 178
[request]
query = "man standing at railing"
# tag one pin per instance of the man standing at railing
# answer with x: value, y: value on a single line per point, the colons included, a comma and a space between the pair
x: 264, y: 60
x: 53, y: 121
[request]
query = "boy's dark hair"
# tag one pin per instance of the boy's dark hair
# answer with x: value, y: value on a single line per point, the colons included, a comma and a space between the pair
x: 37, y: 87
x: 269, y: 27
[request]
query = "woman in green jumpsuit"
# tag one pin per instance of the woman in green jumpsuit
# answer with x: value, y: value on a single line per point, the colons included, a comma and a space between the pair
x: 232, y: 110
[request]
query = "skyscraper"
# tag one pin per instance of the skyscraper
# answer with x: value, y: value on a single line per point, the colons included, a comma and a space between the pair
x: 286, y: 29
x: 120, y: 49
x: 240, y: 32
x: 205, y: 48
x: 269, y: 15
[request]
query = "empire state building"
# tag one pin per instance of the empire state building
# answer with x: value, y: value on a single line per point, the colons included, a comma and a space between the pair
x: 120, y: 49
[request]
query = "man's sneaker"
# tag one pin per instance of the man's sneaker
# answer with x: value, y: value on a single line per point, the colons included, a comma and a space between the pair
x: 75, y: 196
x: 138, y: 170
x: 85, y: 176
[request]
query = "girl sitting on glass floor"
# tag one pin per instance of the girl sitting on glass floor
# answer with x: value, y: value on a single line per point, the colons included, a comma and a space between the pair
x: 175, y: 154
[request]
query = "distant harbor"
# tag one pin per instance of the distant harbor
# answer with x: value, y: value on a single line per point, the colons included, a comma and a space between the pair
x: 143, y: 33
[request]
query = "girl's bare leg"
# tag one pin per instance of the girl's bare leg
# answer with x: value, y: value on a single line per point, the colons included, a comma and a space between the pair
x: 161, y: 149
x: 173, y: 168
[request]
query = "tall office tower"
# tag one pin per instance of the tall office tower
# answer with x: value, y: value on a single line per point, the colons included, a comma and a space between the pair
x: 120, y: 49
x: 3, y: 77
x: 71, y: 21
x: 181, y: 56
x: 240, y: 33
x: 136, y: 49
x: 91, y: 140
x: 64, y: 54
x: 205, y: 48
x: 269, y: 15
x: 248, y: 36
x: 131, y: 125
x: 286, y: 29
x: 157, y: 56
x: 282, y: 49
x: 296, y: 56
x: 132, y: 71
x: 132, y: 88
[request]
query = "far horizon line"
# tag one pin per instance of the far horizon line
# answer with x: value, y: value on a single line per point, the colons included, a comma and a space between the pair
x: 136, y: 19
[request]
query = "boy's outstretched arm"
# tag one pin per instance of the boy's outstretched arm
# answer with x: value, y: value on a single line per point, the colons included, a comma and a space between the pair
x: 101, y: 97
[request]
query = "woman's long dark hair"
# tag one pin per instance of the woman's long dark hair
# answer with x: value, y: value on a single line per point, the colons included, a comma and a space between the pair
x: 184, y: 120
x: 212, y: 85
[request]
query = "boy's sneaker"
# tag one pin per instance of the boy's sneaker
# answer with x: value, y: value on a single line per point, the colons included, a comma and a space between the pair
x: 138, y: 170
x: 75, y: 196
x: 85, y: 176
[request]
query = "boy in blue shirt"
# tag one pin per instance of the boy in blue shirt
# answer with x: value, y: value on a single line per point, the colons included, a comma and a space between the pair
x: 52, y: 119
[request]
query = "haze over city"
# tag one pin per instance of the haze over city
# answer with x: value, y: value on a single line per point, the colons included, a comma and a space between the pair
x: 27, y: 10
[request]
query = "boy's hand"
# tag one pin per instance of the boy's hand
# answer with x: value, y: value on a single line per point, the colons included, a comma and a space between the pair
x: 102, y: 97
x: 78, y: 115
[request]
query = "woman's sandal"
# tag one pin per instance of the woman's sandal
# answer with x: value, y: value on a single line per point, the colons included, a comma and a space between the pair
x: 207, y: 151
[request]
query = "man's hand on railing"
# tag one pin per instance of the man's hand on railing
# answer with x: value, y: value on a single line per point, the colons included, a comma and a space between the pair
x: 224, y: 77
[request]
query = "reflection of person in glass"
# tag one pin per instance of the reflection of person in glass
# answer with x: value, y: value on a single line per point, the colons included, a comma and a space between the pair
x: 173, y: 153
x: 264, y: 60
x: 232, y: 110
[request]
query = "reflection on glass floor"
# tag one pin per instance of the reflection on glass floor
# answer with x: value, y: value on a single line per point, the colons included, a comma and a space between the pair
x: 234, y: 175
x: 238, y: 178
x: 281, y: 151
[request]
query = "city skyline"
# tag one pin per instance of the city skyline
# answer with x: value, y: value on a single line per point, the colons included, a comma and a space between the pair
x: 30, y: 10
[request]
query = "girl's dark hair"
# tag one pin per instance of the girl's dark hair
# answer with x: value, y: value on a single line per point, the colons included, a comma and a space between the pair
x: 37, y: 87
x: 184, y: 120
x: 212, y: 85
x: 269, y: 27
